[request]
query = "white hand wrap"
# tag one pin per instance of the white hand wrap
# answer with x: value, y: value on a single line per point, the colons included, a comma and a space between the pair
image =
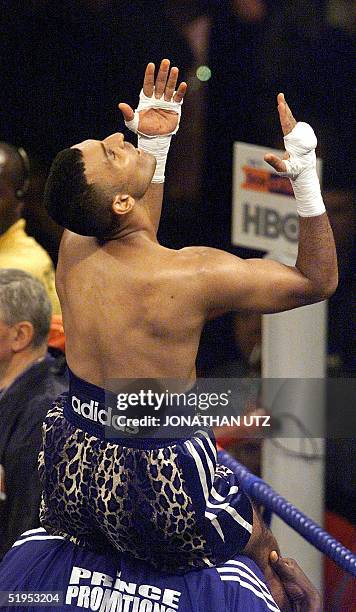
x: 301, y: 143
x: 156, y: 145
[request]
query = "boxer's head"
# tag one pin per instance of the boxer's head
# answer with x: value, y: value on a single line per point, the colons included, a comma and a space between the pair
x: 92, y: 185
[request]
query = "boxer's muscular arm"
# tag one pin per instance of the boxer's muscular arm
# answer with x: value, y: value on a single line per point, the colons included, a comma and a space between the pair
x: 267, y: 286
x: 157, y: 122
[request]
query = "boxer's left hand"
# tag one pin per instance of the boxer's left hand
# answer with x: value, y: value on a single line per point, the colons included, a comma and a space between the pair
x: 155, y: 121
x: 287, y: 124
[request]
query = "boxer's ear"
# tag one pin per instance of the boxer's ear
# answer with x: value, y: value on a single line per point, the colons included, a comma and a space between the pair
x: 123, y: 203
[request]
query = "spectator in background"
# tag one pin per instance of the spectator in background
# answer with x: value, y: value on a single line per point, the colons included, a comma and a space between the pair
x: 29, y: 380
x: 17, y: 249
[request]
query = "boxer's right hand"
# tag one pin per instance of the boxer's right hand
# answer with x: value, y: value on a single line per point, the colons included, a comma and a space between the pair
x: 157, y: 121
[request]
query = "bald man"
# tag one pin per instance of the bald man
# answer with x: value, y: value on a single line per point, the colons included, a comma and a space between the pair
x: 17, y: 249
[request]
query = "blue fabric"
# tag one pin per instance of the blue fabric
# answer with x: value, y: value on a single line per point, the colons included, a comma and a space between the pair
x: 88, y: 407
x: 173, y: 506
x: 38, y: 562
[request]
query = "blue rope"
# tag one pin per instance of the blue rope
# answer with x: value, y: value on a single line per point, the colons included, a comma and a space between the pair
x: 262, y: 493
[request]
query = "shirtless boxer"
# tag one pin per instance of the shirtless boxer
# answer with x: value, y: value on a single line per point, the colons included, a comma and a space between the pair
x: 135, y: 309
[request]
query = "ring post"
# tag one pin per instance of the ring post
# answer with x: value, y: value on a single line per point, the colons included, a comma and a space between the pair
x: 294, y: 348
x: 264, y: 217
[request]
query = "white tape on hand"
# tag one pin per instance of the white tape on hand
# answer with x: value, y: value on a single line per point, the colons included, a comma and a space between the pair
x: 159, y: 145
x: 151, y: 102
x: 301, y: 143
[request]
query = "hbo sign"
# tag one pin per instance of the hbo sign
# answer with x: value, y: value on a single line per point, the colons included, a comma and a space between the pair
x: 269, y: 223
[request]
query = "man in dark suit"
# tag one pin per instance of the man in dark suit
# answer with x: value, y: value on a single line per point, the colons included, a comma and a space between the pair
x: 30, y: 378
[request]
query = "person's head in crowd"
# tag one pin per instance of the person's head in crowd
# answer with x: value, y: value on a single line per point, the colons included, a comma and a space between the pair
x: 14, y: 178
x: 25, y: 317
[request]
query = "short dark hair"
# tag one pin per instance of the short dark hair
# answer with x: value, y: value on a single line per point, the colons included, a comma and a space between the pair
x: 72, y: 202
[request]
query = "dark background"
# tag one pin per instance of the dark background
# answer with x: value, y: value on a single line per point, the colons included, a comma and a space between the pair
x: 65, y: 65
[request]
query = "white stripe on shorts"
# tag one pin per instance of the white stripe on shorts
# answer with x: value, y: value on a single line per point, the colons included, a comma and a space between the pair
x: 212, y: 446
x: 208, y: 460
x: 215, y: 523
x: 200, y: 468
x: 38, y: 530
x: 220, y: 498
x: 233, y: 513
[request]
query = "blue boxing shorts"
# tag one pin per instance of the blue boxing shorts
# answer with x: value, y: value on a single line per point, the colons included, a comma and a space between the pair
x: 63, y: 576
x: 167, y: 502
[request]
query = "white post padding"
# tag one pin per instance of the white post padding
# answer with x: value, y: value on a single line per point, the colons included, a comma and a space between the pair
x: 294, y: 347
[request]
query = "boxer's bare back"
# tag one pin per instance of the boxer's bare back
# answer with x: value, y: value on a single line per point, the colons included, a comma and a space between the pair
x: 135, y: 309
x: 131, y: 308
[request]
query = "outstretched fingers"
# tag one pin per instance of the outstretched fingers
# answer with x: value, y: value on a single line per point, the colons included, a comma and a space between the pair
x: 287, y: 124
x: 162, y: 77
x: 149, y: 80
x: 171, y: 84
x: 285, y: 115
x: 180, y: 93
x: 165, y: 83
x: 276, y: 163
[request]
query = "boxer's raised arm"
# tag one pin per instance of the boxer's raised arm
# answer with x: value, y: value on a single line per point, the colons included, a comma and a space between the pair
x: 155, y: 120
x: 267, y: 286
x: 230, y: 283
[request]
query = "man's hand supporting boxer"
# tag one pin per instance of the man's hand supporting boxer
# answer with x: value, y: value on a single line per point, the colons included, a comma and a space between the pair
x: 156, y: 124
